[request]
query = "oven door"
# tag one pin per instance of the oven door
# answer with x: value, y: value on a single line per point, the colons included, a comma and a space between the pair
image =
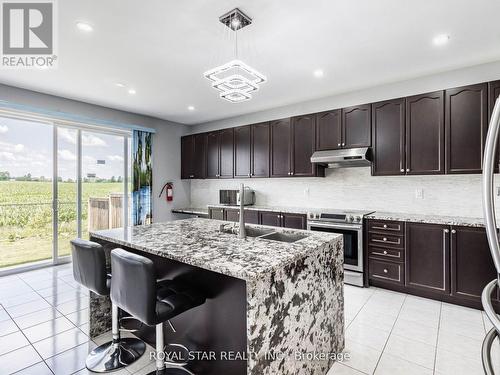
x: 353, y: 241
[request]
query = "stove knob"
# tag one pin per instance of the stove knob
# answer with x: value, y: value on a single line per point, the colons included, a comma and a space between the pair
x: 358, y: 219
x: 351, y: 219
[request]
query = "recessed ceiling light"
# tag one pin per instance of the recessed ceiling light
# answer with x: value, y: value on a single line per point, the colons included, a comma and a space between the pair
x: 318, y: 73
x: 131, y: 91
x: 441, y: 39
x: 190, y: 108
x: 118, y: 84
x: 84, y: 26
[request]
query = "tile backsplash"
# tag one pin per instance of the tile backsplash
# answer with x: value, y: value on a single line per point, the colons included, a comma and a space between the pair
x: 355, y: 188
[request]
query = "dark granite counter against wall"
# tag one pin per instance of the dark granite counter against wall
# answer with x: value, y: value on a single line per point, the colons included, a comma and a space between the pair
x: 291, y: 293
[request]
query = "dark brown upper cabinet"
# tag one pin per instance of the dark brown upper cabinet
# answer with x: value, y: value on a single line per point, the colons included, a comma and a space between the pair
x: 281, y: 145
x: 466, y: 126
x: 187, y: 156
x: 493, y: 94
x: 242, y: 151
x: 260, y: 150
x: 472, y: 266
x: 303, y: 145
x: 388, y: 137
x: 193, y: 160
x: 425, y: 134
x: 329, y: 130
x: 213, y: 155
x: 226, y: 153
x: 427, y: 254
x: 356, y: 126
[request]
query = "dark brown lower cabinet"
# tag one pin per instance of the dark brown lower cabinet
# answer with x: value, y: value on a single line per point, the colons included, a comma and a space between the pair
x: 427, y: 257
x: 471, y: 262
x: 251, y: 216
x: 295, y: 221
x: 216, y: 214
x: 270, y: 218
x: 232, y: 215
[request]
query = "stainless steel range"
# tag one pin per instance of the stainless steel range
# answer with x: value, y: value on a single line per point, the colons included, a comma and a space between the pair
x: 349, y: 223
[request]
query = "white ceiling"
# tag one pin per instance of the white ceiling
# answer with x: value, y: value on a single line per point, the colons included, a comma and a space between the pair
x: 161, y: 48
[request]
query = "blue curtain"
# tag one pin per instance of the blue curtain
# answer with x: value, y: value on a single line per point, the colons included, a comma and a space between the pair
x: 142, y: 178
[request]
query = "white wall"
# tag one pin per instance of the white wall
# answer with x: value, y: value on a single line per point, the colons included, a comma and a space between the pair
x: 166, y: 141
x: 354, y: 188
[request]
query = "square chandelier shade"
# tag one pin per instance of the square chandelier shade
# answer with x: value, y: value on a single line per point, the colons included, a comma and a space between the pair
x: 235, y: 80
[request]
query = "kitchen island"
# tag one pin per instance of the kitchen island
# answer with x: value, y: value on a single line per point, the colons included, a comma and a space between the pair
x: 275, y: 304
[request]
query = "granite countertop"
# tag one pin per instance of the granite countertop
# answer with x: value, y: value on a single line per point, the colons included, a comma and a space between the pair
x: 431, y: 219
x: 292, y: 210
x: 191, y: 211
x: 200, y: 243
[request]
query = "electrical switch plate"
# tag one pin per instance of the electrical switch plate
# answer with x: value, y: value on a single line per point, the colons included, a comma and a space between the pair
x: 498, y: 191
x: 419, y: 193
x: 306, y: 192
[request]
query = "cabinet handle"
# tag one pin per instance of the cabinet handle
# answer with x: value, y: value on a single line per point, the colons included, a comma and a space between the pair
x: 338, y: 144
x: 402, y: 170
x: 343, y: 143
x: 385, y: 239
x: 407, y: 169
x: 385, y: 270
x: 385, y: 252
x: 453, y: 231
x: 249, y: 175
x: 446, y: 230
x: 385, y: 225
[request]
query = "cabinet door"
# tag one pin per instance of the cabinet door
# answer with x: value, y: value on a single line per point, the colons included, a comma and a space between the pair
x: 493, y: 94
x: 295, y: 221
x: 270, y: 218
x: 187, y: 155
x: 471, y: 262
x: 200, y: 158
x: 252, y: 216
x: 232, y: 215
x: 303, y: 141
x: 356, y: 126
x: 466, y: 125
x: 242, y: 137
x: 388, y: 137
x: 213, y: 155
x: 260, y: 150
x: 329, y: 130
x: 226, y: 153
x: 216, y: 213
x: 428, y: 257
x: 281, y: 140
x: 425, y: 134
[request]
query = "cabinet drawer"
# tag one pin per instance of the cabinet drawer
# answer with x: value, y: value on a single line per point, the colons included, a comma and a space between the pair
x: 395, y: 255
x: 395, y: 228
x: 385, y: 240
x: 387, y: 271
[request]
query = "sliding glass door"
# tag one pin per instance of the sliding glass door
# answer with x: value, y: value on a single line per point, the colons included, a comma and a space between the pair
x: 57, y: 182
x: 26, y: 191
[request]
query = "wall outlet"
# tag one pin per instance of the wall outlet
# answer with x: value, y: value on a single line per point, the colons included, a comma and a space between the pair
x: 306, y: 193
x: 498, y: 191
x: 419, y: 193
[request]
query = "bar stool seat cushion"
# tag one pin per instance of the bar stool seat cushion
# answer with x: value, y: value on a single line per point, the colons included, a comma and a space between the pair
x: 174, y: 298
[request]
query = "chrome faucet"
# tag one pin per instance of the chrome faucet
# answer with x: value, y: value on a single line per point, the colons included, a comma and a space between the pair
x: 242, y: 232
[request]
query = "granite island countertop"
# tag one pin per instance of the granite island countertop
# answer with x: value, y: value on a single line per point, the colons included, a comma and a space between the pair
x: 200, y: 243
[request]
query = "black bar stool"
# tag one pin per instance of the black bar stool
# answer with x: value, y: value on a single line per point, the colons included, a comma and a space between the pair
x: 89, y: 270
x: 134, y: 288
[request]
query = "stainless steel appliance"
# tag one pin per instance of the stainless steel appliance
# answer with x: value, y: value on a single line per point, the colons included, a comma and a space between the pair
x: 350, y: 225
x: 343, y: 158
x: 232, y: 197
x: 490, y: 155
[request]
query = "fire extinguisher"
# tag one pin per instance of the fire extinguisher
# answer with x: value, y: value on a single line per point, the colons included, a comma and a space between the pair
x: 169, y: 191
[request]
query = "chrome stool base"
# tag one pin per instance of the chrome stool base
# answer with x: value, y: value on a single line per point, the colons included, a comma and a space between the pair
x: 113, y: 356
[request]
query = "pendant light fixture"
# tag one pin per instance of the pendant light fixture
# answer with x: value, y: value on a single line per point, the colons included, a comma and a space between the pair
x: 235, y: 80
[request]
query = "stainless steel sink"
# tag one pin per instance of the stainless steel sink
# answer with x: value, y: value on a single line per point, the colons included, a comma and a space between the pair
x: 284, y: 237
x: 265, y: 234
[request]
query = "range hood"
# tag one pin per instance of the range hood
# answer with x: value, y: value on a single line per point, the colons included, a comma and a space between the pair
x: 344, y: 158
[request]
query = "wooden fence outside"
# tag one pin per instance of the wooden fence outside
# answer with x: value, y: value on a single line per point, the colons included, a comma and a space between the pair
x: 106, y: 213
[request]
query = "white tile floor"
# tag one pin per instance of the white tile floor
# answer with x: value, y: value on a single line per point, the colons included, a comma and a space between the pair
x: 44, y: 330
